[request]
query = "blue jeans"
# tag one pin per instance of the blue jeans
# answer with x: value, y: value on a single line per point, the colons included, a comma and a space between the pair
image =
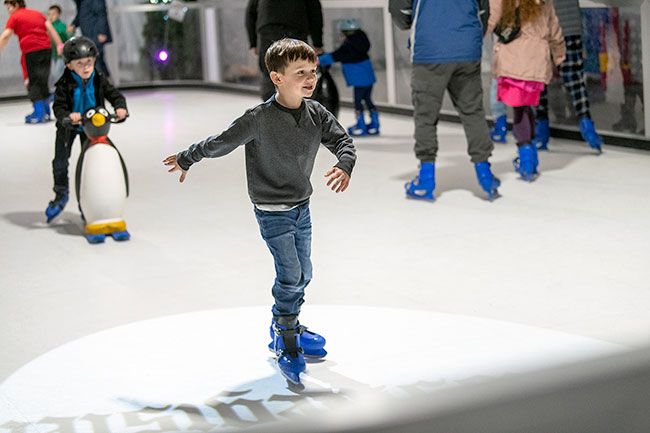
x: 288, y: 236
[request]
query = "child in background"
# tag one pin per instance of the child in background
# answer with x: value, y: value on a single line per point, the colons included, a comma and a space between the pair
x: 80, y: 88
x: 523, y: 66
x: 57, y: 66
x: 358, y: 72
x: 32, y: 29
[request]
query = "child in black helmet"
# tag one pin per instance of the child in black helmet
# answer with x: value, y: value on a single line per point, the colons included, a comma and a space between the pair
x: 80, y: 88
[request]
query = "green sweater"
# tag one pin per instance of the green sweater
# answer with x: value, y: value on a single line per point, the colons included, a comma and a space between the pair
x: 62, y: 30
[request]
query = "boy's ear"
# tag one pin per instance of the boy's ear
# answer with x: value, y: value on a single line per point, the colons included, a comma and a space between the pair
x: 276, y: 78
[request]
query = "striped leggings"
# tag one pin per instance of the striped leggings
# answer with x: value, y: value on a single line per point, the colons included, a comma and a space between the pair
x: 573, y: 76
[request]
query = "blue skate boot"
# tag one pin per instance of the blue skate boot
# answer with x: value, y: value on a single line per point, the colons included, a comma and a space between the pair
x: 487, y: 180
x: 588, y: 131
x: 421, y: 188
x: 48, y: 112
x: 542, y: 134
x: 121, y: 236
x: 38, y: 116
x: 312, y: 344
x: 286, y: 345
x: 526, y: 163
x: 95, y: 239
x: 55, y: 207
x: 373, y: 126
x: 359, y: 129
x: 500, y: 130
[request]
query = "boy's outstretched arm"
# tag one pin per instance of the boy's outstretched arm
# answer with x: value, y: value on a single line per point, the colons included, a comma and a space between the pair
x: 337, y: 140
x: 171, y: 161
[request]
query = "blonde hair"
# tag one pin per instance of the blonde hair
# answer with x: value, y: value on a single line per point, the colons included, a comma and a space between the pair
x: 529, y: 11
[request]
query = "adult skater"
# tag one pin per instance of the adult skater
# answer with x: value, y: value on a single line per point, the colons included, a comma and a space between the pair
x: 32, y: 29
x: 281, y: 137
x: 80, y: 88
x: 529, y: 43
x: 268, y: 21
x: 446, y: 43
x: 92, y: 19
x: 358, y: 72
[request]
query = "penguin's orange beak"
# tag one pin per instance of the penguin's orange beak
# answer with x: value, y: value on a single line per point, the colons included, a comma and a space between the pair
x: 98, y: 120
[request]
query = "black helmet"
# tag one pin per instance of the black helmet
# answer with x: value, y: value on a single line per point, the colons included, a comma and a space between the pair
x: 78, y: 48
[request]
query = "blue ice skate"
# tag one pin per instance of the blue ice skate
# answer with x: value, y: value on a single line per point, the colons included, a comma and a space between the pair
x: 373, y: 126
x: 286, y: 345
x: 500, y: 130
x: 312, y: 343
x: 588, y: 131
x: 121, y: 236
x: 38, y: 115
x: 55, y: 207
x: 526, y: 163
x: 95, y: 239
x: 542, y: 134
x: 359, y: 129
x: 487, y: 180
x: 421, y: 188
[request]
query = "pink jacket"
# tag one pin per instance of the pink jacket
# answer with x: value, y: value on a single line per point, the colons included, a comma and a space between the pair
x: 532, y: 54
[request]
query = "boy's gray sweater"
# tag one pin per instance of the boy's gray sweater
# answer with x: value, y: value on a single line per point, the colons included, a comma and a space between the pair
x: 280, y: 152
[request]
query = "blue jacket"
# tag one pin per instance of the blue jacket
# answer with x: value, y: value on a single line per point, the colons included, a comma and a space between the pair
x: 442, y: 31
x: 353, y: 55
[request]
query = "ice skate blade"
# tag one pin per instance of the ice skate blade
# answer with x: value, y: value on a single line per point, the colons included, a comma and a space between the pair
x: 411, y: 196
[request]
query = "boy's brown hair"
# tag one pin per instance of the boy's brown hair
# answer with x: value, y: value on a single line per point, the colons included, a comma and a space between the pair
x: 285, y: 51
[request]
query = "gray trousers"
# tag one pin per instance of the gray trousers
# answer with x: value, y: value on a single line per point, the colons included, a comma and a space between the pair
x: 463, y: 81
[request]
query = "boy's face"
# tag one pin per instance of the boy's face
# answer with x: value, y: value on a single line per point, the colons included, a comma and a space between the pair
x: 298, y: 79
x: 83, y: 67
x: 11, y: 8
x: 52, y: 15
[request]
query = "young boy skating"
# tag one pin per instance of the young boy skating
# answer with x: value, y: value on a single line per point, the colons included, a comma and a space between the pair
x: 281, y: 138
x: 79, y: 89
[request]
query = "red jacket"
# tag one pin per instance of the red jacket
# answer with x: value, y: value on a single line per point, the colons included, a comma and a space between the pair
x: 29, y: 26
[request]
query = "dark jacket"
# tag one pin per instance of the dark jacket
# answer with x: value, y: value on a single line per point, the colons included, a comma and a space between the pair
x: 300, y: 16
x: 353, y: 55
x: 63, y: 95
x: 92, y: 19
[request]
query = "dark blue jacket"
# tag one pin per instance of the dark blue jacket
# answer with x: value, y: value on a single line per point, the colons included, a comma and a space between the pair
x: 442, y: 31
x: 92, y: 18
x: 353, y: 55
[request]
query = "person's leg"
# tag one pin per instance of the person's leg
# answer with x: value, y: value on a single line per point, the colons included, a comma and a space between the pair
x: 542, y: 127
x: 428, y: 84
x: 373, y: 126
x: 466, y: 92
x: 101, y: 63
x: 523, y: 129
x: 359, y: 128
x: 38, y: 71
x: 62, y: 147
x: 499, y: 112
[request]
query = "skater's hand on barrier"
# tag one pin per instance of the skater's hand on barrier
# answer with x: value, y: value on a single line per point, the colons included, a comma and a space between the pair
x: 171, y: 161
x: 337, y: 179
x: 75, y: 117
x: 121, y: 113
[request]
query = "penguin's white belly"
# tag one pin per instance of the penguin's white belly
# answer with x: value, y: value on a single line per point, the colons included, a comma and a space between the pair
x: 102, y: 193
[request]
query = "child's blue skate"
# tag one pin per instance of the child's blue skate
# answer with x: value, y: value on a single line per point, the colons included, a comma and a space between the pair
x: 588, y: 131
x: 312, y: 343
x: 487, y: 180
x: 38, y: 115
x: 421, y: 188
x: 121, y: 236
x: 526, y: 163
x: 95, y: 239
x: 373, y: 126
x: 500, y: 130
x: 359, y: 129
x: 286, y: 345
x: 55, y: 207
x: 542, y: 134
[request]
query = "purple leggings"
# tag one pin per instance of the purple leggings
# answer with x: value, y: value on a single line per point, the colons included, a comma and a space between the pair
x: 523, y: 125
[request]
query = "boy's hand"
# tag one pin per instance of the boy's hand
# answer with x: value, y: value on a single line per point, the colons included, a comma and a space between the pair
x: 171, y: 161
x: 75, y: 117
x: 121, y: 113
x: 337, y: 179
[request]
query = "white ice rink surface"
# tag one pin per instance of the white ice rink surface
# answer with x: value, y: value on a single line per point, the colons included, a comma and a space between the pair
x: 566, y: 256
